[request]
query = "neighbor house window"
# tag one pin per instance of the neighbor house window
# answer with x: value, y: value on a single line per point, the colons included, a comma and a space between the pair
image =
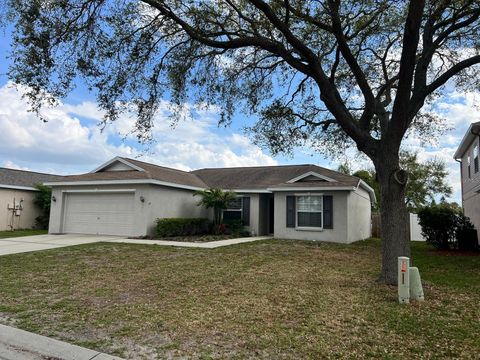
x: 234, y: 210
x: 309, y: 211
x: 468, y: 167
x: 475, y: 158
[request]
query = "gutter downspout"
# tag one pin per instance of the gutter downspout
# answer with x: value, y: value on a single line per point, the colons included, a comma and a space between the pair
x: 461, y: 181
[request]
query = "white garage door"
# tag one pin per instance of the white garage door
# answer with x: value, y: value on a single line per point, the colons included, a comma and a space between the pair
x: 103, y: 214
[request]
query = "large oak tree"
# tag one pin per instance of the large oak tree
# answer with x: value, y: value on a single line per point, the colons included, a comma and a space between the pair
x: 329, y: 73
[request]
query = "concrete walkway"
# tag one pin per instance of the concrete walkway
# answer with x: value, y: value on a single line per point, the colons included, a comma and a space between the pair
x: 16, y: 344
x: 202, y: 245
x: 44, y: 242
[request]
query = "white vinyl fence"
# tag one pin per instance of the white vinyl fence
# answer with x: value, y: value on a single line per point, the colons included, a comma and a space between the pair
x: 415, y: 229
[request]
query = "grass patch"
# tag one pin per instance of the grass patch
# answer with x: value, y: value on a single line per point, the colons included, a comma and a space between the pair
x: 18, y: 233
x: 271, y: 299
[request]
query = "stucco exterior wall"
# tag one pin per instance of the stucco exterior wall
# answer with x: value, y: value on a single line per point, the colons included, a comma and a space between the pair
x: 254, y: 226
x: 359, y: 215
x: 471, y: 209
x: 30, y: 211
x: 160, y: 202
x: 471, y: 198
x: 338, y: 234
x: 166, y: 202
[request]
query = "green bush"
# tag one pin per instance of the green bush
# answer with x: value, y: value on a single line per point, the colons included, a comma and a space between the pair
x: 42, y: 200
x: 233, y: 226
x: 466, y: 234
x: 182, y: 226
x: 447, y: 228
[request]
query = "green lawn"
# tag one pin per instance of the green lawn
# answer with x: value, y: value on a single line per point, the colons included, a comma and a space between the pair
x: 271, y: 299
x: 17, y: 233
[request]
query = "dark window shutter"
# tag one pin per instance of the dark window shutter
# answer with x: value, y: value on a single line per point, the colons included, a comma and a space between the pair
x: 246, y: 211
x: 291, y: 211
x: 327, y: 211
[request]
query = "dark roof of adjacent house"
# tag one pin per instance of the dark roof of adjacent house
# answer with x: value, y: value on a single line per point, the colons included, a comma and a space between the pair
x: 235, y: 178
x: 23, y: 178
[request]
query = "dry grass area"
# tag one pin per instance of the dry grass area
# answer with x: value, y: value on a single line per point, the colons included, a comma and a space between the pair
x: 193, y: 238
x: 6, y: 234
x: 270, y: 300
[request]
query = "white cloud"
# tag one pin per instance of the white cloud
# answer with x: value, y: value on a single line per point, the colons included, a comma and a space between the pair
x: 11, y: 165
x: 460, y: 109
x: 70, y: 142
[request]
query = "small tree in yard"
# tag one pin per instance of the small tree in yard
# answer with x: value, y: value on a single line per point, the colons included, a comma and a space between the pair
x: 331, y: 74
x: 445, y: 227
x: 43, y: 200
x: 426, y: 181
x: 216, y: 199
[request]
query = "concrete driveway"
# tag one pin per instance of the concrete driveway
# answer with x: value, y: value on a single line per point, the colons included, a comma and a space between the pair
x: 44, y: 242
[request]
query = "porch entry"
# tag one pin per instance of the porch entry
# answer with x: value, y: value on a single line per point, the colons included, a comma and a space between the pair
x: 266, y: 214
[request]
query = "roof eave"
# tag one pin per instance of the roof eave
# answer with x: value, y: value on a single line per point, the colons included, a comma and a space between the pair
x: 467, y: 139
x: 17, y: 187
x: 312, y: 188
x: 123, y: 182
x: 369, y: 189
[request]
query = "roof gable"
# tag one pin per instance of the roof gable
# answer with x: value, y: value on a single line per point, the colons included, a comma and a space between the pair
x: 311, y: 176
x: 117, y: 164
x: 129, y: 170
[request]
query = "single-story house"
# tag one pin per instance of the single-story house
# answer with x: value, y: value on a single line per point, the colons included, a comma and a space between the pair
x: 17, y: 194
x: 126, y: 196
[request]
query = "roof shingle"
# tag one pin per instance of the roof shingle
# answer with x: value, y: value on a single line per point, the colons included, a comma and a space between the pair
x: 236, y: 178
x: 262, y: 177
x: 14, y: 177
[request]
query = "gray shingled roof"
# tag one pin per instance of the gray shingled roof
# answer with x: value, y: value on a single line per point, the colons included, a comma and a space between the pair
x: 258, y: 177
x: 13, y: 177
x: 153, y: 172
x: 262, y: 177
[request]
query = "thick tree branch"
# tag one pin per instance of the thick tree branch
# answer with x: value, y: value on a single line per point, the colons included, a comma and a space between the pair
x: 357, y: 71
x: 236, y: 43
x: 295, y: 42
x: 419, y: 99
x: 399, y: 121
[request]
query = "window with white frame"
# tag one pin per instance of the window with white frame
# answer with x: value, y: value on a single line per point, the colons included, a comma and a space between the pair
x: 233, y: 210
x: 469, y: 170
x: 309, y: 211
x: 475, y: 158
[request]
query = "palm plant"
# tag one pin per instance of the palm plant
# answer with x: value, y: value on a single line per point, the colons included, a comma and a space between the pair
x: 217, y: 199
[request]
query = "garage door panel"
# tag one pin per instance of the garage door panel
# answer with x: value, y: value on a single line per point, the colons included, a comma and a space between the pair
x: 105, y: 214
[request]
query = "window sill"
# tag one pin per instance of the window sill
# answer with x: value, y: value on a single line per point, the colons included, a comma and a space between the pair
x: 306, y: 228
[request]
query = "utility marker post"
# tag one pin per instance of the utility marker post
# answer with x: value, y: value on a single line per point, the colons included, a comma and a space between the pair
x: 416, y: 289
x: 403, y: 280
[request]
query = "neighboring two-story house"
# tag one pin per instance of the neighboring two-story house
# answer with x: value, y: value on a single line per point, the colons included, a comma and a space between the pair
x: 467, y: 154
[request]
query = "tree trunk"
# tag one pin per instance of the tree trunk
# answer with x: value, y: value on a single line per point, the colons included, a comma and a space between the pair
x: 394, y: 215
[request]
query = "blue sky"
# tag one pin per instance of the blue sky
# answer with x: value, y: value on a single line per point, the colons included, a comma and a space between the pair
x: 71, y: 142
